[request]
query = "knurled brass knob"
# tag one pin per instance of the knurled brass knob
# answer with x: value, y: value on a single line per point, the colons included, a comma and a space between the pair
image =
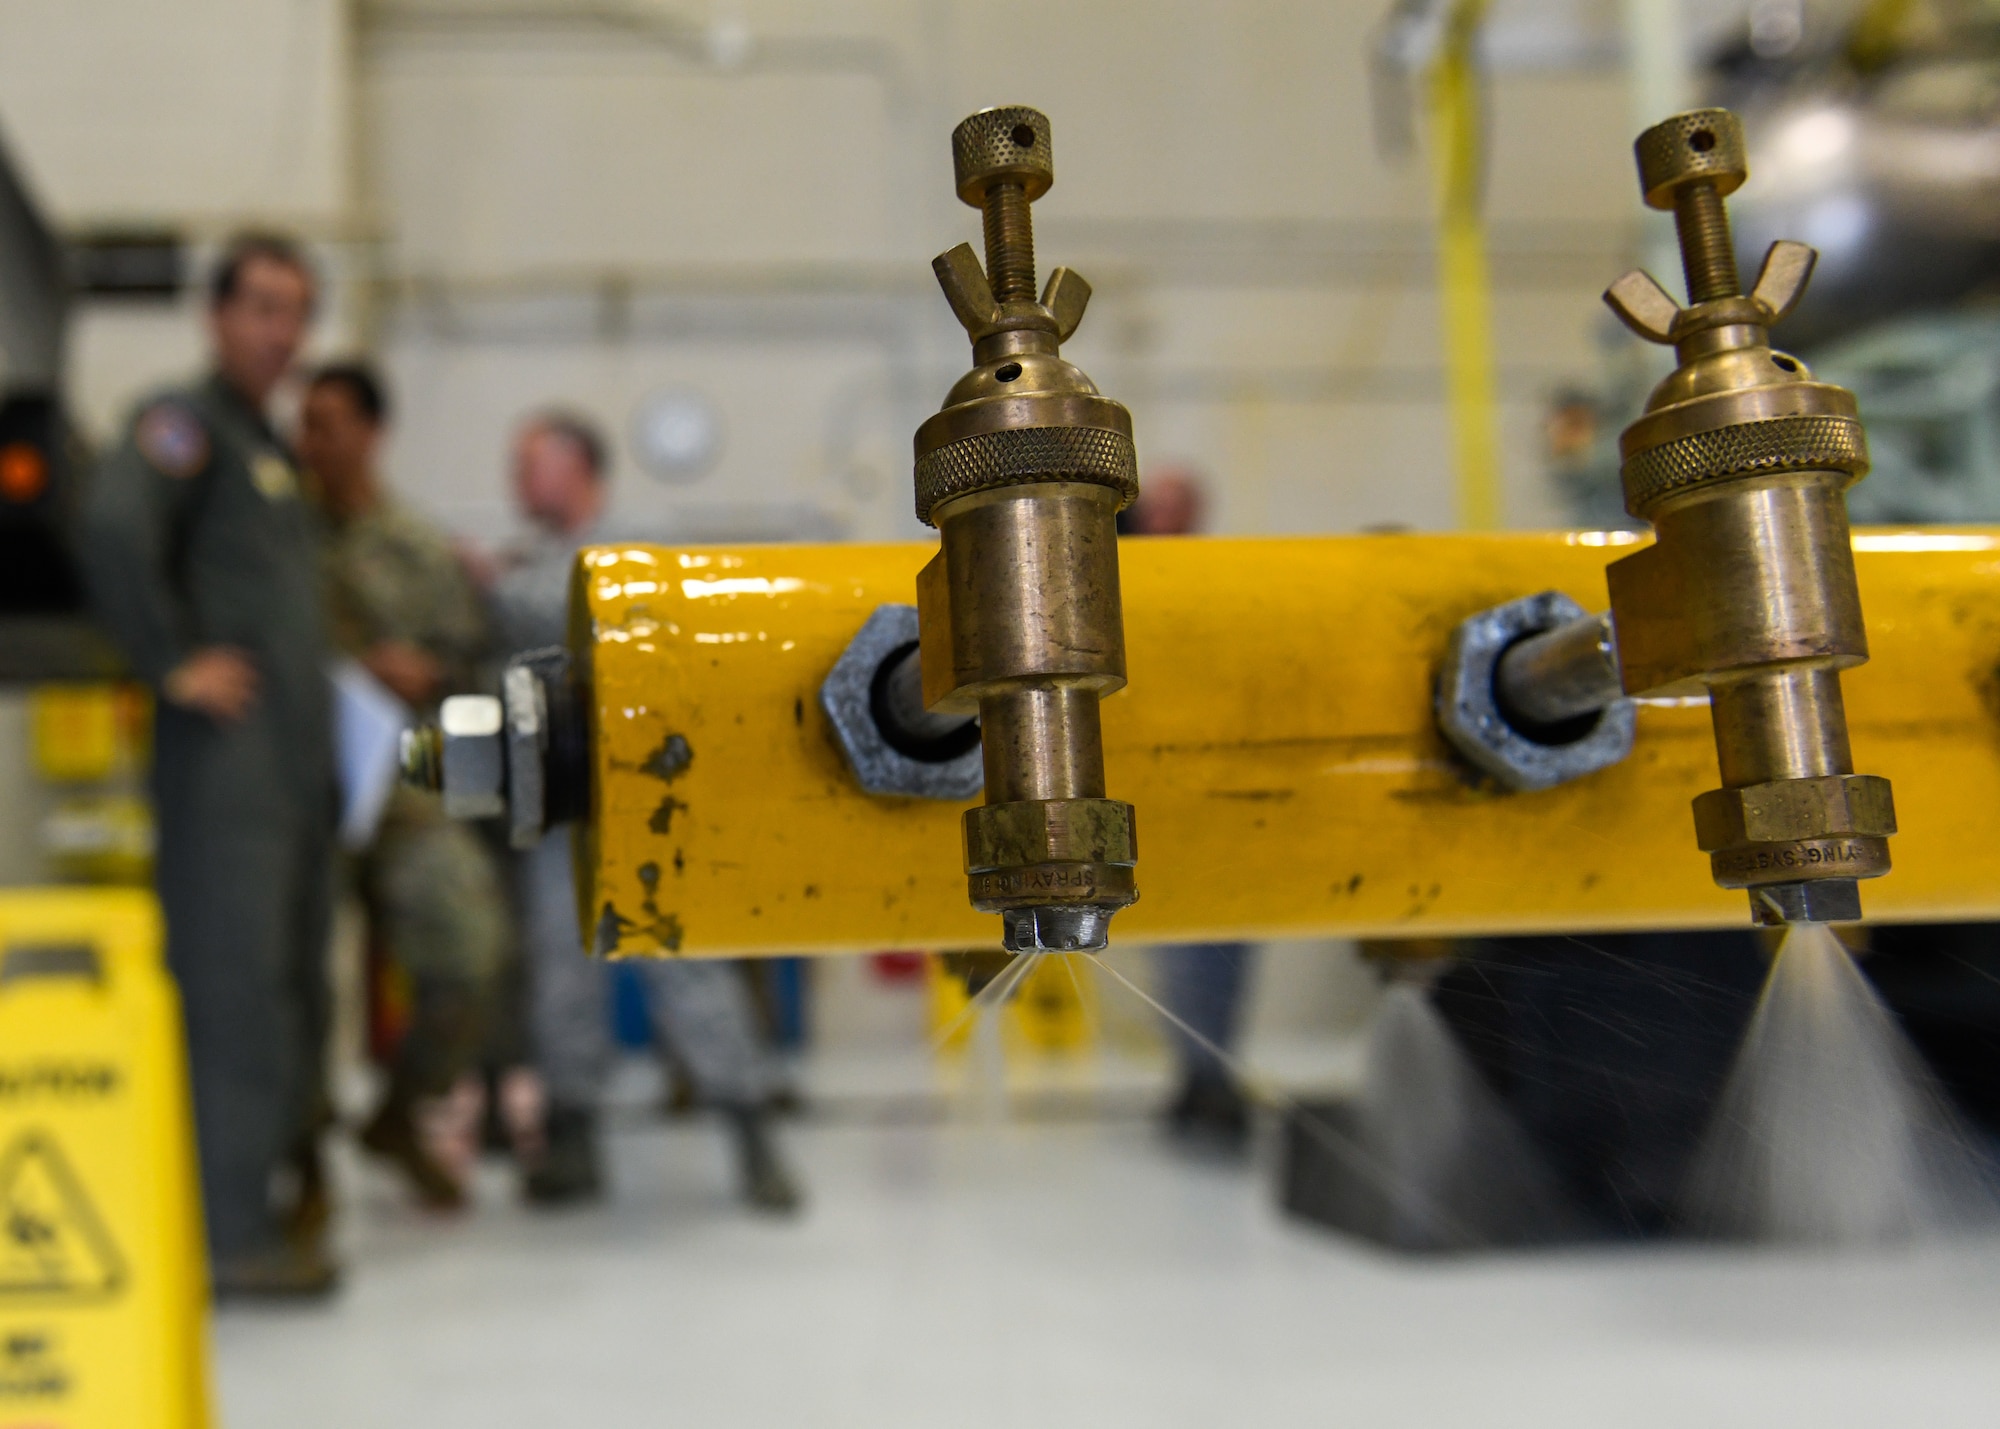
x: 1003, y: 161
x: 1007, y: 144
x: 1689, y: 164
x: 1701, y: 145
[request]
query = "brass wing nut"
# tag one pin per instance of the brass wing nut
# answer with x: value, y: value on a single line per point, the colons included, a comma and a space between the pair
x: 1023, y: 473
x: 1741, y: 462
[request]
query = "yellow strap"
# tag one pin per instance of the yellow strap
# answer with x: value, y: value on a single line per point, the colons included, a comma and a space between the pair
x: 1464, y: 291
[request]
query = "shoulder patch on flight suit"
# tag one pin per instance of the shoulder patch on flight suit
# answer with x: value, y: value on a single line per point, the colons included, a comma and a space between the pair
x: 171, y: 439
x: 273, y: 476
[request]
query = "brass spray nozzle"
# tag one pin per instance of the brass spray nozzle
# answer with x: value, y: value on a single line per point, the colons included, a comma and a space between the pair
x: 1741, y: 462
x: 1023, y: 473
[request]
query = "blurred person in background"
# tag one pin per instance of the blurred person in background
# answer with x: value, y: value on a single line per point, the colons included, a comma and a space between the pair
x: 1203, y: 984
x: 400, y: 603
x: 203, y: 563
x: 701, y: 1008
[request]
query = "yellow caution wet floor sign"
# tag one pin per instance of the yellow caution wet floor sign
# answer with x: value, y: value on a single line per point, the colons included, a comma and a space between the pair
x: 103, y: 1301
x: 52, y: 1241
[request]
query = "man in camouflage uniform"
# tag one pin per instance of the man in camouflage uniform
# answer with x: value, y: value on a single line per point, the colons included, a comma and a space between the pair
x: 202, y: 562
x: 400, y: 603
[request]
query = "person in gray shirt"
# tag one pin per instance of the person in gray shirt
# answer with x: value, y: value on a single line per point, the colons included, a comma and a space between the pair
x: 700, y: 1008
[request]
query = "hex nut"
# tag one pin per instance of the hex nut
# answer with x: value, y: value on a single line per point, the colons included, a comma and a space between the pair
x: 526, y: 707
x: 1033, y: 831
x: 1815, y: 900
x: 1065, y: 884
x: 473, y: 757
x: 1057, y: 928
x: 1468, y: 710
x: 847, y: 697
x: 1788, y: 810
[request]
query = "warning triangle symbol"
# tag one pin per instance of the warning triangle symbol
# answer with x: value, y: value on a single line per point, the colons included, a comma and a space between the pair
x: 52, y: 1241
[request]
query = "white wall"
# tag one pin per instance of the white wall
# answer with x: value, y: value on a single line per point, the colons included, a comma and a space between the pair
x: 201, y: 116
x: 580, y: 213
x: 563, y: 197
x: 538, y: 200
x: 205, y: 112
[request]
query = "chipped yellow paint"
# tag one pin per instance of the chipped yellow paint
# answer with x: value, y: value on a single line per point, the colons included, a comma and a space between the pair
x: 1276, y: 738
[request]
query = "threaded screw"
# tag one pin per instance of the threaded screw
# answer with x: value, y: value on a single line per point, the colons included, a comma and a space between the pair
x: 1003, y: 161
x: 1010, y: 242
x: 1708, y: 254
x: 1690, y: 164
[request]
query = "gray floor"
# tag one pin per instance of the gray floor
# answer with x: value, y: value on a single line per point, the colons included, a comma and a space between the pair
x: 1071, y: 1273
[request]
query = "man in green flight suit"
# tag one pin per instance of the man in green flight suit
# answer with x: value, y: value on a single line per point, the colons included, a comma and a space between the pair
x: 202, y: 561
x: 400, y: 603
